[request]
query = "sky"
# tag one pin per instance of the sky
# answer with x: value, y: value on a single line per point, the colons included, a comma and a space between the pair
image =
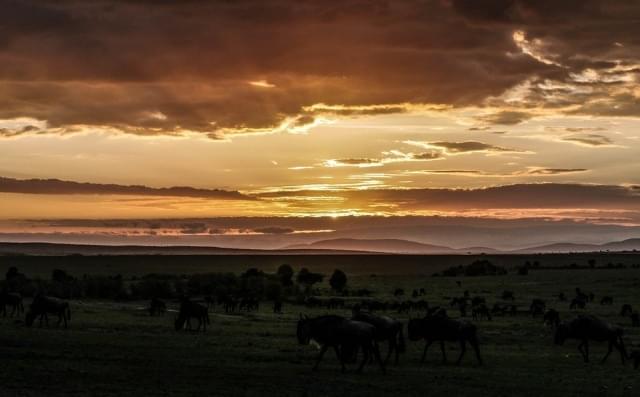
x: 265, y: 123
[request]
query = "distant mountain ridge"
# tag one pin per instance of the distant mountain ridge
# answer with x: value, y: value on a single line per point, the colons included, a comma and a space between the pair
x: 347, y: 246
x: 395, y: 246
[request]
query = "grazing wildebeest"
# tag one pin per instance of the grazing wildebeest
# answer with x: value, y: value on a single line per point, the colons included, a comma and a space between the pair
x: 13, y: 299
x: 387, y: 329
x: 587, y: 327
x: 551, y: 317
x: 43, y: 305
x: 480, y: 311
x: 537, y: 307
x: 606, y: 300
x: 156, y: 306
x: 189, y: 310
x: 345, y: 336
x: 440, y: 328
x: 626, y: 310
x: 577, y: 303
x: 635, y: 319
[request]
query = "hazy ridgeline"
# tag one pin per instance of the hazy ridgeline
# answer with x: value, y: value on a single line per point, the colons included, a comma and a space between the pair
x: 113, y: 346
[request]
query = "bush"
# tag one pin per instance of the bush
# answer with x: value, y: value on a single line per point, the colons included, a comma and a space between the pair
x: 477, y: 268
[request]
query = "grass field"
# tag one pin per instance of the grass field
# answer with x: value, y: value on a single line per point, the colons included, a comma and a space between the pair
x: 114, y: 349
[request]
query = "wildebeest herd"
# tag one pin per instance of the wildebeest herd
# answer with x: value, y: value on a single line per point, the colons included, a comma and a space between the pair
x: 372, y: 323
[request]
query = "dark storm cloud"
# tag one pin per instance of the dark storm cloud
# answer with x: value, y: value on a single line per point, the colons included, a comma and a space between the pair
x: 56, y: 186
x: 162, y: 67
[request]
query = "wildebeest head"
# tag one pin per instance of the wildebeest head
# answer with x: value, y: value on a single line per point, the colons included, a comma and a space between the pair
x: 29, y: 318
x: 304, y: 330
x: 561, y: 334
x: 414, y: 329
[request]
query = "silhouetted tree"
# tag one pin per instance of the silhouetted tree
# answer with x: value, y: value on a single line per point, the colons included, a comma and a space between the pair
x: 285, y: 273
x: 338, y: 280
x: 307, y: 278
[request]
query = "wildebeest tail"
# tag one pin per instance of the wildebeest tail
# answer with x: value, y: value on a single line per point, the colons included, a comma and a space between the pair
x: 402, y: 347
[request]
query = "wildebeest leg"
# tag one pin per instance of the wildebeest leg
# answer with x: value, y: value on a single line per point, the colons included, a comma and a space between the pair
x: 583, y: 347
x: 444, y: 352
x: 608, y: 352
x: 323, y: 349
x: 366, y: 353
x: 424, y: 353
x: 476, y: 348
x: 392, y: 347
x: 340, y: 358
x: 376, y: 353
x: 463, y: 349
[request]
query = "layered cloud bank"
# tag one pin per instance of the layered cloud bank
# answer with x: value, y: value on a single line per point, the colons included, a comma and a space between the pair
x: 218, y: 68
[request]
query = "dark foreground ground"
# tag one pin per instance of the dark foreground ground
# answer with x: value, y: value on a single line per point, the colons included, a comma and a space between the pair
x: 115, y: 349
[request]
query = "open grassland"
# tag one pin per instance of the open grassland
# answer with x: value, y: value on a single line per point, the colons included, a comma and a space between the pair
x: 116, y: 348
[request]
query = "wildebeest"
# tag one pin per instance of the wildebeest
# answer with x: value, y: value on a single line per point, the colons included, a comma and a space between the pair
x: 587, y: 327
x: 12, y: 299
x: 480, y: 311
x: 43, y: 305
x: 344, y: 336
x: 606, y: 300
x: 440, y: 328
x: 156, y: 306
x: 189, y: 310
x: 551, y: 317
x: 577, y: 303
x: 387, y: 330
x: 537, y: 307
x: 210, y: 301
x: 398, y: 292
x: 626, y: 310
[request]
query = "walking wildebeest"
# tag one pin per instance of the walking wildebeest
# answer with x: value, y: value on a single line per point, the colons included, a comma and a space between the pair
x: 551, y: 317
x: 344, y: 336
x: 156, y: 306
x: 626, y: 310
x: 587, y: 327
x: 13, y: 299
x: 44, y: 305
x: 387, y: 329
x: 189, y: 310
x: 440, y: 328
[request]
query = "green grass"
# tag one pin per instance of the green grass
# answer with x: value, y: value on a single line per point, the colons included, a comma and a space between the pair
x: 114, y: 349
